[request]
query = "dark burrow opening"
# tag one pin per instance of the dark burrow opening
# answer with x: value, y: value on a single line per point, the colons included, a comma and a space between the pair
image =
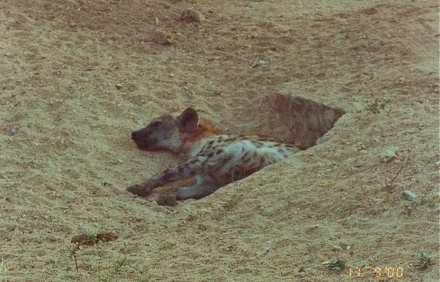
x: 307, y: 120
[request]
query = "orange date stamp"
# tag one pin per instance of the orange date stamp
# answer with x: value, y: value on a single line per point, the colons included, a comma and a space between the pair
x: 379, y: 272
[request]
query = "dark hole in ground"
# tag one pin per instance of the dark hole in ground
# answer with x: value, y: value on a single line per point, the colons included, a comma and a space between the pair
x: 307, y: 120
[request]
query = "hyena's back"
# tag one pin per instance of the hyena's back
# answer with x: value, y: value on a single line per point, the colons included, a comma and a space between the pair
x: 240, y: 156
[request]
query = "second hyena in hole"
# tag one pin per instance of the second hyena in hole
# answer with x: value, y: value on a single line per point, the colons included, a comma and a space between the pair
x: 215, y: 159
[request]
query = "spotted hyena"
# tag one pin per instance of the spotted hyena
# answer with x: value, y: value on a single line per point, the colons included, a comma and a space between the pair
x: 215, y: 159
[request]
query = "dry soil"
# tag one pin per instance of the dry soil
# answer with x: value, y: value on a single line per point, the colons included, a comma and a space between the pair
x: 77, y: 76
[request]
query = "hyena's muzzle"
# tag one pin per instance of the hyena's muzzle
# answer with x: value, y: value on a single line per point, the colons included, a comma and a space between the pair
x: 143, y: 139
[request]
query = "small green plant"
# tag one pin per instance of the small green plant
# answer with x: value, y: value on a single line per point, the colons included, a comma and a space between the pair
x: 120, y: 264
x: 335, y: 264
x: 389, y: 184
x: 3, y: 267
x: 430, y: 202
x: 378, y: 105
x: 409, y: 208
x: 110, y: 275
x: 231, y: 202
x: 191, y: 214
x: 73, y: 255
x: 106, y: 277
x: 423, y: 261
x: 89, y: 240
x: 427, y: 201
x: 79, y: 241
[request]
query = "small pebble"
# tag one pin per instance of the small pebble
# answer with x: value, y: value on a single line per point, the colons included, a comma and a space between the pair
x: 388, y: 155
x: 370, y: 11
x: 410, y: 196
x: 161, y: 38
x: 190, y: 15
x: 10, y: 199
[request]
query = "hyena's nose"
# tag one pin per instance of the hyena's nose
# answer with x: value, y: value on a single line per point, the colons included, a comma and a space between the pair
x: 142, y: 141
x: 135, y: 135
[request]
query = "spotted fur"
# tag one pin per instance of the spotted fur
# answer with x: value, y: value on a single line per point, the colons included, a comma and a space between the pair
x: 215, y: 159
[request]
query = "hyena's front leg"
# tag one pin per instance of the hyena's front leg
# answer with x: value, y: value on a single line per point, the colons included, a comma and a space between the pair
x: 144, y: 189
x: 187, y: 169
x: 205, y: 186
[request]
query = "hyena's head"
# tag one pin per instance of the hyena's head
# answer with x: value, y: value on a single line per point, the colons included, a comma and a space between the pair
x: 166, y: 131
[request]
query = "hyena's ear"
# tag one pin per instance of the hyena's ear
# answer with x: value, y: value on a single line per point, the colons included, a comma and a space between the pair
x: 188, y: 120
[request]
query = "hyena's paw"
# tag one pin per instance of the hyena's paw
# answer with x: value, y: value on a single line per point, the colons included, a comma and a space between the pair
x: 141, y: 190
x: 167, y: 200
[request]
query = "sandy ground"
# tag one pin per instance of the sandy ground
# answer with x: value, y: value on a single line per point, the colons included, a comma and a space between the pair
x: 77, y: 76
